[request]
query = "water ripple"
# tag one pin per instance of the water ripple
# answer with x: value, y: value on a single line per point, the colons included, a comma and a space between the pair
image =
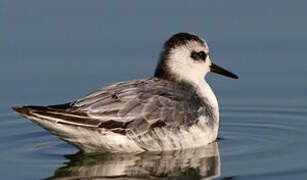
x: 253, y: 138
x: 262, y: 136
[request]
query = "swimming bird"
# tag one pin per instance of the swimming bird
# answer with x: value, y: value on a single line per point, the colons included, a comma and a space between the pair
x: 174, y: 109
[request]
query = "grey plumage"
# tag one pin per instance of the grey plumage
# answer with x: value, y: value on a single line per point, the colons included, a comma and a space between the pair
x: 133, y: 108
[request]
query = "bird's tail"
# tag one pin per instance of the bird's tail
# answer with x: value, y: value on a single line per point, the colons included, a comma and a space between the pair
x: 63, y: 122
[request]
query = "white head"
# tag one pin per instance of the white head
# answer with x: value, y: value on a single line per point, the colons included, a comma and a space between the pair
x: 185, y: 57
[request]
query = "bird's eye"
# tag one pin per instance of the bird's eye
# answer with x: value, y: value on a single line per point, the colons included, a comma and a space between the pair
x: 202, y: 55
x: 199, y: 55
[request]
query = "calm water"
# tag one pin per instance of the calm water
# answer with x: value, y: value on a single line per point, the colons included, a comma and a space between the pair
x: 55, y: 52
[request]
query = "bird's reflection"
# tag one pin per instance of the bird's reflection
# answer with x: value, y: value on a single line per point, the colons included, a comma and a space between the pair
x: 200, y: 163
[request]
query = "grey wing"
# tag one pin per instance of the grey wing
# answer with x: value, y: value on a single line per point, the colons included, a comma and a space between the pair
x: 133, y: 107
x: 141, y: 105
x: 129, y: 107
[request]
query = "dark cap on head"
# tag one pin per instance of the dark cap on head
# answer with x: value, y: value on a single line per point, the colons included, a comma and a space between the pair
x: 181, y: 39
x: 176, y: 40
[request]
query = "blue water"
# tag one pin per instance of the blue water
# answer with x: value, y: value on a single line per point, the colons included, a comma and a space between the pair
x: 57, y: 51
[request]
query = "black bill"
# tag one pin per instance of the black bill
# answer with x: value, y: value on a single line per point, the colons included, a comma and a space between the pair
x: 219, y: 70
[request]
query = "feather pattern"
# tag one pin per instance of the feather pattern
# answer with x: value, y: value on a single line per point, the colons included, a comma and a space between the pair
x: 147, y: 112
x: 145, y: 101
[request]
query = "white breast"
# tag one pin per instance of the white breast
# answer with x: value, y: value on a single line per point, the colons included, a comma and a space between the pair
x: 208, y: 95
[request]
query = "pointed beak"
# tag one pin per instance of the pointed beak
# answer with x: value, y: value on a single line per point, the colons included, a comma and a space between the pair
x: 219, y: 70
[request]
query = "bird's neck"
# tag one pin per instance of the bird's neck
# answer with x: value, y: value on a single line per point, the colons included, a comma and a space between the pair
x: 183, y: 75
x: 206, y: 92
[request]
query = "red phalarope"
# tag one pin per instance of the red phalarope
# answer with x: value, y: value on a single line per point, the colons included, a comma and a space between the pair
x: 175, y: 109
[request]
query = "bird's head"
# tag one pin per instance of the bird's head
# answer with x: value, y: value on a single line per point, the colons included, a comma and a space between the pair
x: 186, y: 57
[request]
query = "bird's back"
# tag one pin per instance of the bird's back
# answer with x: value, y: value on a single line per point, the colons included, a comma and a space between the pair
x: 138, y: 115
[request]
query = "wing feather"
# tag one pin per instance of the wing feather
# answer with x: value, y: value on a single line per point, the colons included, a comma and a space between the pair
x: 136, y: 107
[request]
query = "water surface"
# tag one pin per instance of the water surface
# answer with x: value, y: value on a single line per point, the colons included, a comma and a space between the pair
x: 55, y: 52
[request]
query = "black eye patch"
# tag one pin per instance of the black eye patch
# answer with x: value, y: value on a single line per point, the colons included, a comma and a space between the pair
x: 201, y: 55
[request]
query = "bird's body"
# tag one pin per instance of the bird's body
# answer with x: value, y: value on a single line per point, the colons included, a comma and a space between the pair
x: 175, y: 109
